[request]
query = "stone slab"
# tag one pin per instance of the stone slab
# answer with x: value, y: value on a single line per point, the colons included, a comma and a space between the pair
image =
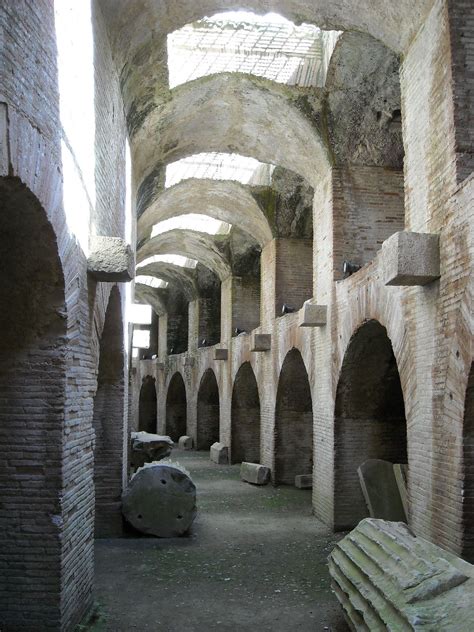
x: 260, y: 342
x: 304, y: 481
x: 380, y: 490
x: 410, y: 258
x: 254, y: 473
x: 221, y: 354
x: 219, y: 453
x: 110, y: 259
x: 312, y: 315
x: 400, y: 471
x: 185, y: 443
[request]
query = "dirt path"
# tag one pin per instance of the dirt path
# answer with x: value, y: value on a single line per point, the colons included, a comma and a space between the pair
x: 255, y: 560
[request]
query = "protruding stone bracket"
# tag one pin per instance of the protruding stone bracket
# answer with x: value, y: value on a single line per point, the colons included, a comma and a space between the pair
x: 312, y: 315
x: 410, y: 259
x: 189, y: 361
x: 221, y: 354
x: 261, y: 342
x: 110, y: 260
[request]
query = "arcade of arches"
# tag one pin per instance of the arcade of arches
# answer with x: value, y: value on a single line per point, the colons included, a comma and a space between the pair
x: 289, y: 199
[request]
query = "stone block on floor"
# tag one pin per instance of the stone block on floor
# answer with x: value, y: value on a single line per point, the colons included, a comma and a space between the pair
x: 380, y: 490
x: 219, y: 454
x: 185, y: 443
x: 254, y: 473
x: 304, y: 481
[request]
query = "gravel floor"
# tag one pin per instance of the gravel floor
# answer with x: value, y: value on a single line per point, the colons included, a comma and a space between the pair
x: 255, y: 560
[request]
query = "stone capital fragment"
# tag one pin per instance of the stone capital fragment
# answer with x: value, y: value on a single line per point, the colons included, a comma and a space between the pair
x: 312, y: 315
x: 110, y: 260
x: 261, y: 342
x: 410, y: 258
x: 189, y: 361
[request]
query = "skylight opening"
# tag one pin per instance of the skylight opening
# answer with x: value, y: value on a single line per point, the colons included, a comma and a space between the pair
x: 220, y: 166
x: 248, y: 17
x: 151, y: 281
x: 141, y: 338
x: 177, y: 260
x: 140, y: 314
x: 263, y: 45
x: 192, y: 221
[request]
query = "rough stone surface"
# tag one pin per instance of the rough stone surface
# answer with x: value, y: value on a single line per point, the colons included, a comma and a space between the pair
x: 411, y: 258
x: 110, y: 259
x: 219, y: 453
x: 160, y: 500
x: 303, y: 481
x: 185, y: 443
x: 386, y: 578
x: 312, y: 315
x: 147, y: 447
x: 254, y: 473
x: 380, y: 490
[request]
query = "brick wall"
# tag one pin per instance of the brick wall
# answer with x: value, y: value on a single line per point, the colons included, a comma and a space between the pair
x: 176, y: 408
x: 147, y: 411
x: 293, y: 421
x: 368, y: 207
x: 109, y: 424
x: 245, y: 441
x: 207, y: 411
x: 369, y: 418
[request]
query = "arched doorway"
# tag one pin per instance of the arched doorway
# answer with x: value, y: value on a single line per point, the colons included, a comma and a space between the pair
x: 108, y: 420
x: 245, y: 417
x: 468, y: 457
x: 369, y: 418
x: 176, y: 408
x: 293, y: 421
x: 147, y: 405
x: 207, y: 411
x: 33, y: 324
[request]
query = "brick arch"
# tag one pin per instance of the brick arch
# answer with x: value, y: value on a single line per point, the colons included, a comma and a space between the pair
x: 208, y: 425
x: 147, y: 405
x: 369, y: 417
x: 175, y: 425
x: 293, y: 421
x: 108, y: 422
x: 245, y: 417
x: 372, y: 302
x: 33, y: 346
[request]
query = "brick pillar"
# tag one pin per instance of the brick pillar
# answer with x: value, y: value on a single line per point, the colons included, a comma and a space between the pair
x: 286, y: 276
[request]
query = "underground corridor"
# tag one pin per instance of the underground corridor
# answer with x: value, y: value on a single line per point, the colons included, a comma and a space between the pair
x: 254, y: 557
x: 236, y: 315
